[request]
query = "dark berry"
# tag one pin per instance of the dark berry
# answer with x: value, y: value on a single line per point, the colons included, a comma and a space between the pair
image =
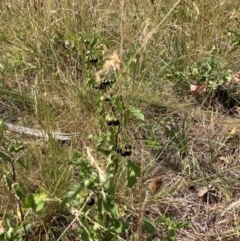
x: 93, y: 60
x: 128, y: 152
x: 116, y: 122
x: 108, y: 98
x: 109, y: 122
x: 103, y: 85
x: 125, y: 153
x: 91, y: 201
x: 128, y: 147
x: 117, y: 149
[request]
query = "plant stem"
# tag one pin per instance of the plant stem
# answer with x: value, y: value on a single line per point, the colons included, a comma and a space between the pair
x: 121, y: 28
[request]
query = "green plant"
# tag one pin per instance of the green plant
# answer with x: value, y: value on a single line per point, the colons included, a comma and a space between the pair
x: 95, y: 192
x: 178, y: 134
x: 10, y: 159
x: 172, y: 226
x: 8, y: 162
x: 209, y: 72
x: 48, y: 63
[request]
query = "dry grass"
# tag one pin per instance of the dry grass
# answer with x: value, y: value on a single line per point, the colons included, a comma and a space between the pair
x: 45, y: 78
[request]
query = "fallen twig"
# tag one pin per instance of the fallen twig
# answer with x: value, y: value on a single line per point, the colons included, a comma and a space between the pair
x: 40, y: 133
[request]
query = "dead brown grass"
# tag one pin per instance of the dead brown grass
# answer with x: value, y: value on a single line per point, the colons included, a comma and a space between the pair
x: 43, y: 85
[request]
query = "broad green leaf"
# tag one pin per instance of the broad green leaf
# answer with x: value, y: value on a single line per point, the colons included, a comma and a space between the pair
x: 108, y: 206
x: 85, y: 235
x: 39, y: 201
x: 133, y: 173
x: 35, y: 201
x: 118, y: 226
x: 111, y: 136
x: 195, y: 71
x: 148, y: 226
x: 15, y: 146
x: 118, y: 102
x: 18, y: 191
x: 7, y: 221
x: 137, y: 113
x: 7, y: 180
x: 85, y: 231
x: 5, y: 156
x: 72, y: 193
x: 21, y: 163
x: 101, y: 140
x: 108, y: 237
x: 153, y: 143
x: 29, y: 201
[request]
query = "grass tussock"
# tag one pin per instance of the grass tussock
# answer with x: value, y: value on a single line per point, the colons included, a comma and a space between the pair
x: 153, y: 84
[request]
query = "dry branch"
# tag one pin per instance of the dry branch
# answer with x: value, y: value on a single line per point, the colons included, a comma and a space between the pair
x: 40, y: 133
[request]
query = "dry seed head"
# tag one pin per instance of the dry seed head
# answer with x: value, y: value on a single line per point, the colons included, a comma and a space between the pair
x: 155, y: 185
x: 113, y: 63
x: 145, y: 29
x: 104, y: 48
x: 146, y: 33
